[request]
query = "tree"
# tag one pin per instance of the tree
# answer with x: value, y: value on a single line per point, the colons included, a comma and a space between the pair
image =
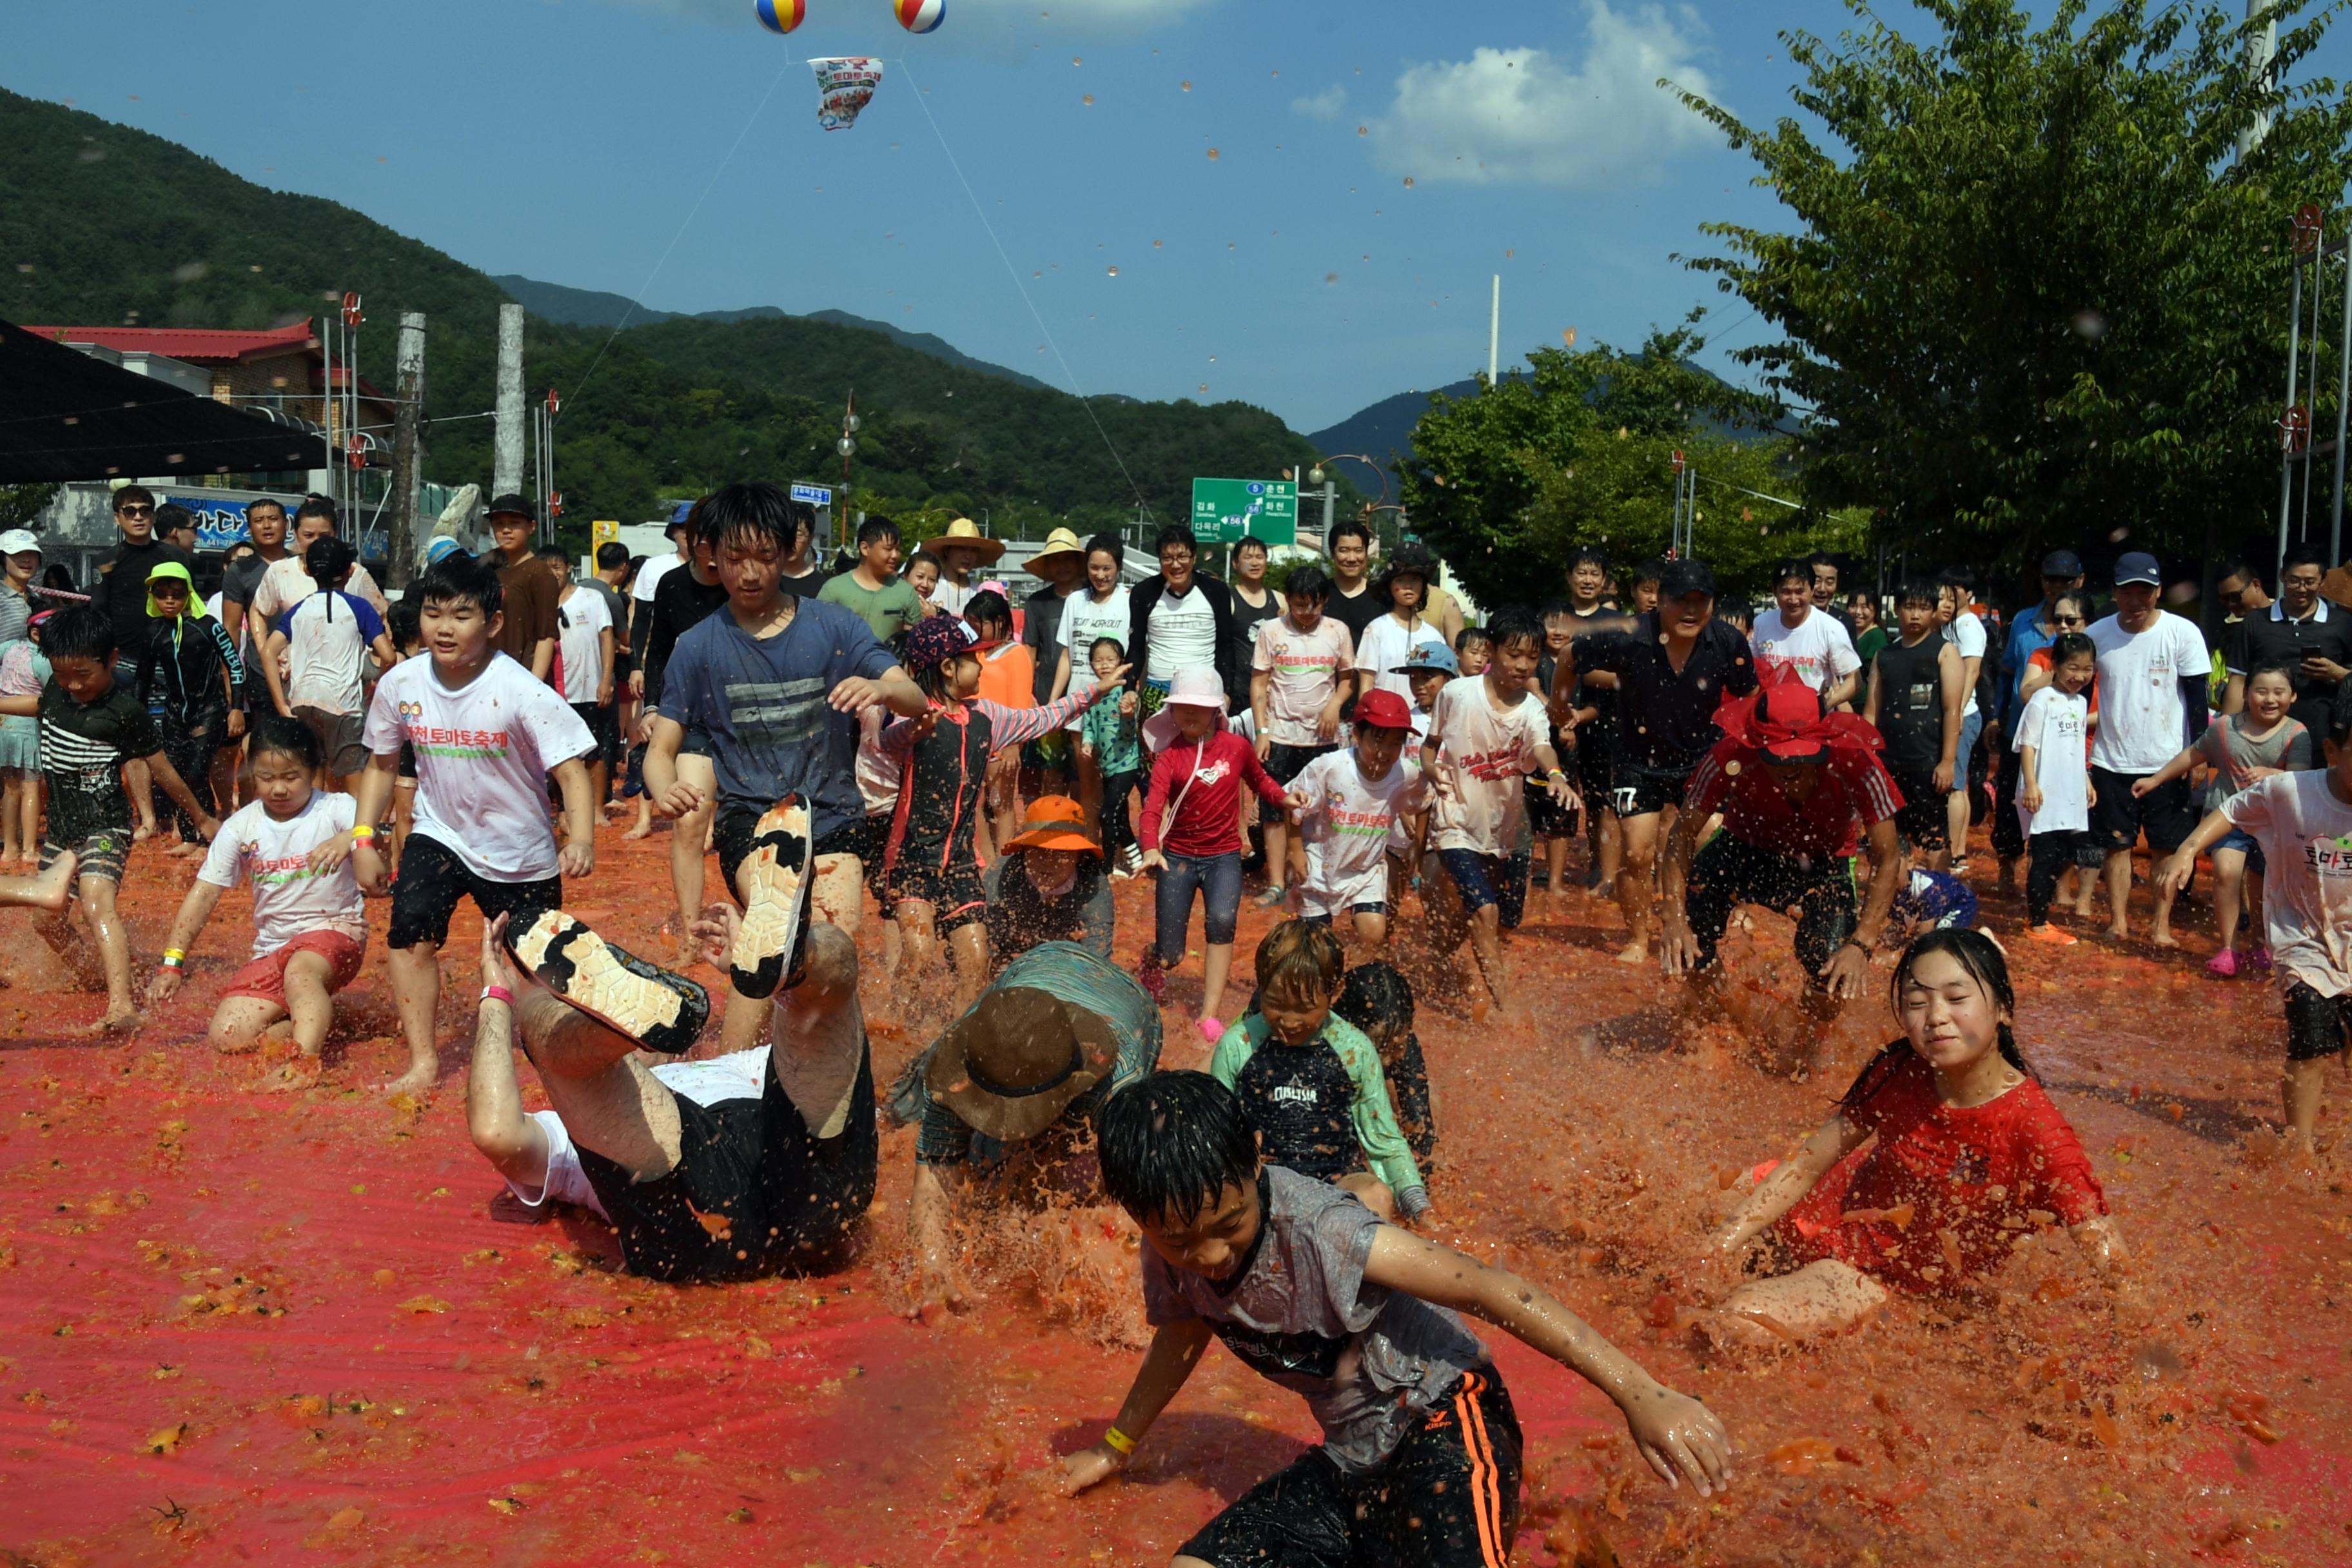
x: 2034, y: 298
x: 1580, y: 451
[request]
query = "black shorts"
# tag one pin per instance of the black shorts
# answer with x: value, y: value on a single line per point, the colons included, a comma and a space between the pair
x: 1546, y: 818
x: 1730, y: 871
x: 1636, y: 789
x: 2316, y: 1026
x: 1596, y: 765
x: 2166, y: 813
x: 604, y: 727
x: 733, y: 835
x: 1448, y: 1495
x: 1925, y: 819
x: 956, y: 895
x: 790, y: 1201
x: 431, y: 882
x: 1286, y: 763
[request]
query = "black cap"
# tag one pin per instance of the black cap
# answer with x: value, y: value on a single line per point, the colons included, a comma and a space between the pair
x: 1681, y: 577
x: 512, y: 506
x: 2061, y: 564
x: 2139, y: 566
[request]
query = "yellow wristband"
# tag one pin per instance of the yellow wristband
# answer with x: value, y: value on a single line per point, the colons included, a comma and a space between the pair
x: 363, y: 831
x: 1118, y: 1442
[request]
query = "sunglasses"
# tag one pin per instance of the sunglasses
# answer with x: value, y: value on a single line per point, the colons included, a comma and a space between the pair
x: 135, y: 509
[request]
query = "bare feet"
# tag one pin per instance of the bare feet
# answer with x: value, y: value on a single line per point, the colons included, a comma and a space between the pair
x: 642, y: 830
x: 2162, y: 938
x: 417, y: 1082
x: 289, y: 1077
x: 117, y: 1021
x: 2120, y: 931
x: 1635, y: 951
x: 143, y: 832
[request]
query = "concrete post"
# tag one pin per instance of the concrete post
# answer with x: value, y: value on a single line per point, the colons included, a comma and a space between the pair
x: 405, y: 476
x: 505, y: 466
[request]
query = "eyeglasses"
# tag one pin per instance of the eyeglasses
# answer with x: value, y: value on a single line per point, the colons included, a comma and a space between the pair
x: 2068, y: 620
x: 135, y: 509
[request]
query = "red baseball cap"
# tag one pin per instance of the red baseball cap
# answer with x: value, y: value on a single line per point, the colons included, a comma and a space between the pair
x: 1384, y: 710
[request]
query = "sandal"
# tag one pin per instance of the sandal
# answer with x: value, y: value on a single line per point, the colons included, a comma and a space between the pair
x: 660, y: 1011
x: 2222, y: 965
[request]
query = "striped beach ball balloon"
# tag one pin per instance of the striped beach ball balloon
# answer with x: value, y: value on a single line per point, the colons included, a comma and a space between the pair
x: 920, y: 16
x: 780, y: 16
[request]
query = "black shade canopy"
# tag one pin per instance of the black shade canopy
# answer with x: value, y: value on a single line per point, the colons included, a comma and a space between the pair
x: 65, y: 416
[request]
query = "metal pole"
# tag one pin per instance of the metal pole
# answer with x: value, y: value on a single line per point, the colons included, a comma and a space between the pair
x: 2260, y: 51
x: 401, y: 549
x: 506, y: 465
x: 2287, y: 437
x: 1330, y: 490
x: 2343, y: 389
x: 327, y: 397
x: 1494, y: 333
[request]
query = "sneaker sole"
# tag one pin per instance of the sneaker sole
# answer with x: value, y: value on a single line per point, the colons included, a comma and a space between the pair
x: 775, y: 888
x: 660, y: 1011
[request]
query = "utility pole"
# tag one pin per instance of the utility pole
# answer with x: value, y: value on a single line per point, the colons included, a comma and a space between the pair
x: 402, y: 552
x: 1494, y: 333
x: 2260, y: 50
x: 506, y: 464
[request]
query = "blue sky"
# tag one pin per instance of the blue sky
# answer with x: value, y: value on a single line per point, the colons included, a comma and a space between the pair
x: 1374, y: 163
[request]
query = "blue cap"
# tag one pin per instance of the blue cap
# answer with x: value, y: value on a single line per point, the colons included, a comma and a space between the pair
x: 1426, y: 657
x: 441, y: 547
x: 2137, y: 566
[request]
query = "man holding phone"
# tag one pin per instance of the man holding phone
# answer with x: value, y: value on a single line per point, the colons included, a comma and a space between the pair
x: 2301, y: 630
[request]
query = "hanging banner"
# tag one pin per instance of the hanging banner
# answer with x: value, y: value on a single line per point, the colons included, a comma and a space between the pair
x: 846, y: 85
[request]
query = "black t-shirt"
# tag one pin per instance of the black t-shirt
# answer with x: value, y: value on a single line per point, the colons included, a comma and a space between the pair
x: 1247, y: 618
x: 1602, y: 727
x: 2268, y: 637
x: 808, y: 585
x: 1911, y: 706
x: 238, y: 581
x: 122, y: 590
x: 1355, y: 613
x: 1301, y: 1103
x: 680, y: 603
x: 1041, y: 634
x: 83, y: 748
x: 1666, y: 719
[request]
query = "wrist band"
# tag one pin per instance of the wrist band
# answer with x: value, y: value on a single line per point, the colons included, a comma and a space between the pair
x: 1118, y: 1442
x: 498, y: 994
x: 363, y: 830
x: 1858, y: 943
x: 173, y: 958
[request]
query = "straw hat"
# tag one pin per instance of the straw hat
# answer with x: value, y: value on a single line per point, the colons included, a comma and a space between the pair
x: 966, y: 533
x: 1061, y: 541
x: 1055, y: 822
x: 1009, y: 1068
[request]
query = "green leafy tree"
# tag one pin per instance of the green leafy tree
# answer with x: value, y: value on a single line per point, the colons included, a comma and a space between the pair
x: 1580, y: 451
x: 2035, y: 294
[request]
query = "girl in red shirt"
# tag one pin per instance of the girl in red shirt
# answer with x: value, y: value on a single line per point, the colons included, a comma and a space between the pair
x: 1192, y: 834
x: 1966, y: 1156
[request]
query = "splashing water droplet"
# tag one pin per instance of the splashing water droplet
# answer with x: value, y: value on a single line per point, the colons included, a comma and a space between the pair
x: 1407, y: 181
x: 1114, y: 272
x: 1088, y: 100
x: 1212, y: 155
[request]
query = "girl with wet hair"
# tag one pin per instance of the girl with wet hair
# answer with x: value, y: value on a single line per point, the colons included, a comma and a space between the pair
x: 1944, y: 1153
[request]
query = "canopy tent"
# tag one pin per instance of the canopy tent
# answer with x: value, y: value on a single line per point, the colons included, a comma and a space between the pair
x: 65, y: 416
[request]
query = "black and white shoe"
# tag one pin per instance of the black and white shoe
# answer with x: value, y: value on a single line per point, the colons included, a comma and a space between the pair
x: 774, y: 880
x: 660, y: 1011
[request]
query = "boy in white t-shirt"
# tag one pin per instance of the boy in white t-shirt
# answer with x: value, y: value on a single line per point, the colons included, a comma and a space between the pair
x: 2152, y: 689
x: 315, y: 660
x: 487, y: 736
x: 2303, y: 822
x: 1295, y: 696
x: 309, y: 927
x: 583, y: 649
x: 1795, y: 635
x: 2054, y: 793
x: 1484, y: 737
x: 1348, y: 804
x: 1966, y: 633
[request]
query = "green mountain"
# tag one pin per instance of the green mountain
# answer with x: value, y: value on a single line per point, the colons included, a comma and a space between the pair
x: 596, y: 307
x: 100, y: 223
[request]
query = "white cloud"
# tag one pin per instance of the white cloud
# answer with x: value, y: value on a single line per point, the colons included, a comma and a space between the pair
x: 1325, y: 105
x: 1524, y: 116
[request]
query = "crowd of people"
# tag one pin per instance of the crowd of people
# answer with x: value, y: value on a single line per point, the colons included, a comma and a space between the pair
x: 1405, y: 788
